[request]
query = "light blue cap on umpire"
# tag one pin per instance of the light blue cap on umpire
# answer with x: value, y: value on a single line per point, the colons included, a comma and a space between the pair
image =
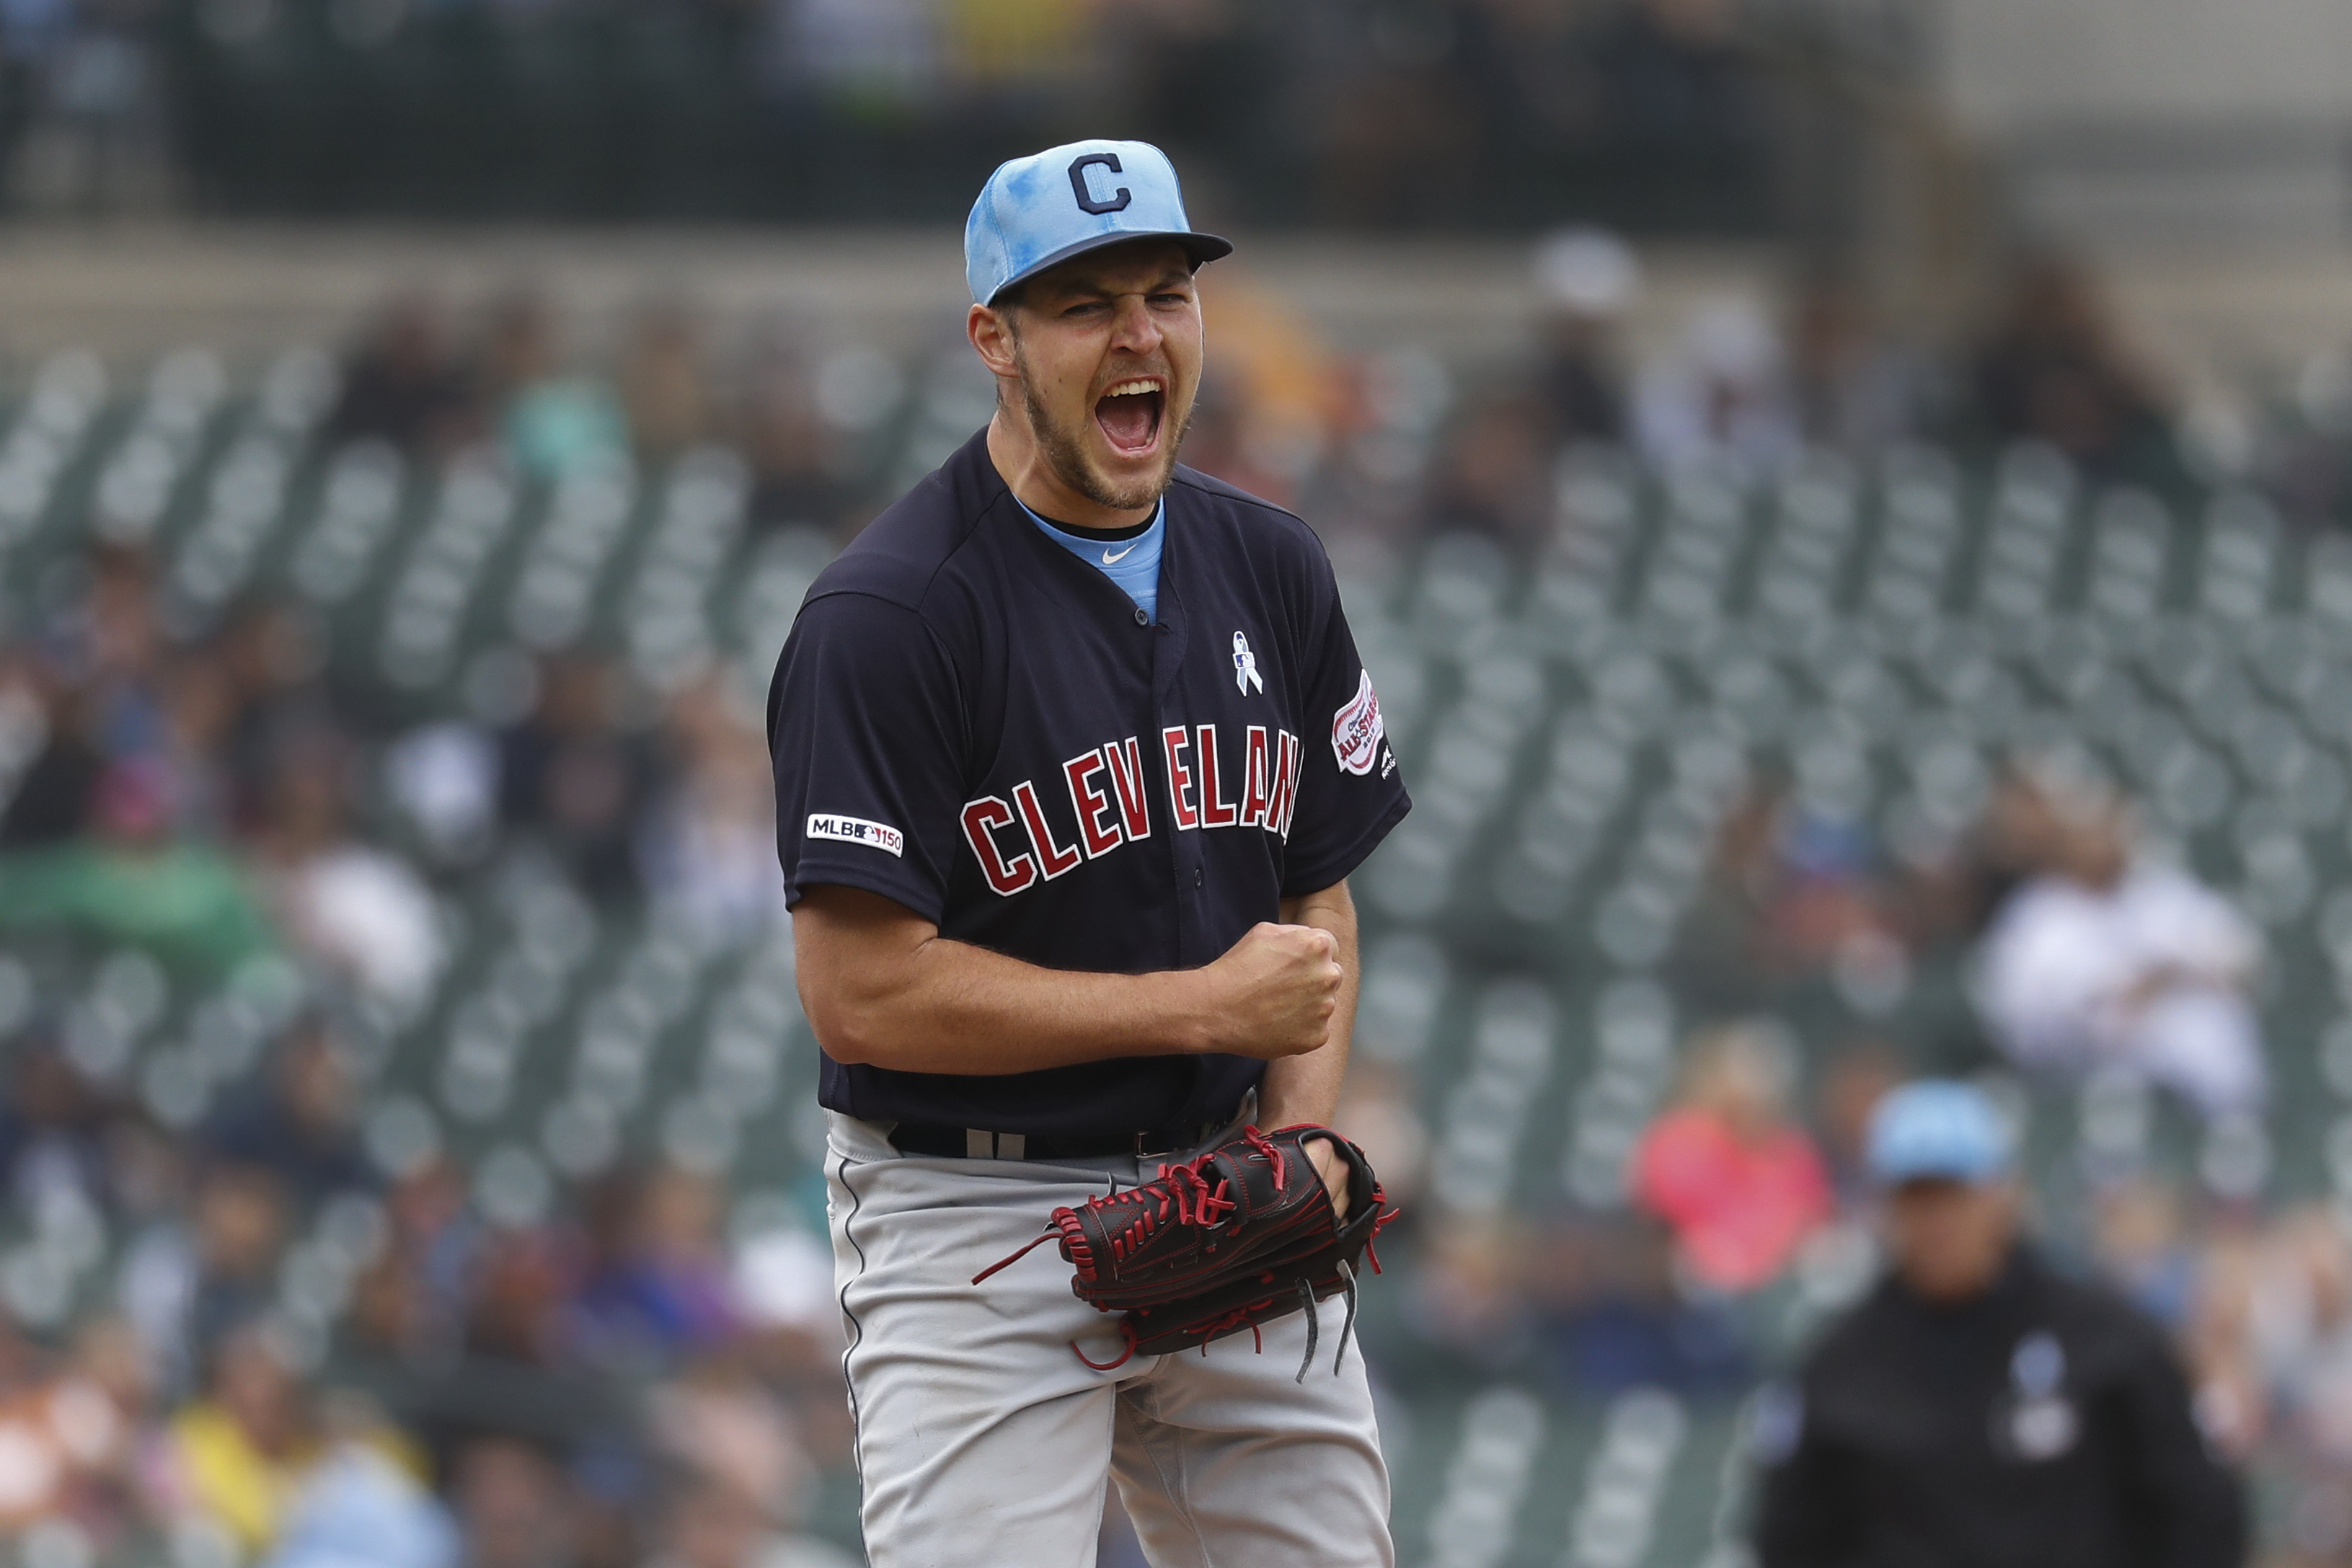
x: 1936, y: 1129
x: 1066, y: 200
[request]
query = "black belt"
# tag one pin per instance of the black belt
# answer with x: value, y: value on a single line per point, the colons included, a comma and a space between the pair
x: 943, y: 1142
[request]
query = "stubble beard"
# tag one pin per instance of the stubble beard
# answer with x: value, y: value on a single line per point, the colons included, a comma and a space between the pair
x: 1065, y: 454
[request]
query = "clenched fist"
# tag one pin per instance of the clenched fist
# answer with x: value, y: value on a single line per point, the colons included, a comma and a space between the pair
x: 1273, y: 993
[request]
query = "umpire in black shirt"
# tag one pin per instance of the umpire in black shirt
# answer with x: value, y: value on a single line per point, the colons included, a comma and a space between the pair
x: 1979, y: 1409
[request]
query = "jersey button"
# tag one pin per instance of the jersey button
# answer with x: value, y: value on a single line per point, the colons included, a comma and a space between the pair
x: 1142, y: 616
x: 1199, y: 876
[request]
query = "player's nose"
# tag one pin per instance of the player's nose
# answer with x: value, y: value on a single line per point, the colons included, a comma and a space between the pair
x: 1134, y: 328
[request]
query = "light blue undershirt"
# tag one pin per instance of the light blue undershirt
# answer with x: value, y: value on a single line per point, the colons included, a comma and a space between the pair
x: 1136, y: 568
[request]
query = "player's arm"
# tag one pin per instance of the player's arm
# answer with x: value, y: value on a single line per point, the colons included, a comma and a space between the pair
x: 1306, y: 1088
x: 881, y: 987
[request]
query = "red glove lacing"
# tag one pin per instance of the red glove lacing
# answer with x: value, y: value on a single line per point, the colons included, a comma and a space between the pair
x: 1181, y: 1187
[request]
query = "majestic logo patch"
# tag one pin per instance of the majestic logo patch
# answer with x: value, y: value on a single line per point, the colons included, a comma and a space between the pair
x: 1357, y: 729
x: 1246, y: 673
x: 857, y: 830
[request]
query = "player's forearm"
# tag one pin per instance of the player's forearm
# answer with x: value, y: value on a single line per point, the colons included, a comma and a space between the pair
x: 1306, y: 1088
x: 881, y: 987
x: 943, y: 1006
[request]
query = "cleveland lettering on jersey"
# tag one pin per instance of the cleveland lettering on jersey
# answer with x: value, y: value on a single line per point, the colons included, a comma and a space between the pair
x: 1019, y: 844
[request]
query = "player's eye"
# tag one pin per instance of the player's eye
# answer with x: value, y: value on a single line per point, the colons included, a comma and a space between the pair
x: 1171, y: 300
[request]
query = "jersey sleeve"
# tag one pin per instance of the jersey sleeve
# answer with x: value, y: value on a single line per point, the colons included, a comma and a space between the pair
x: 1350, y: 792
x: 865, y: 733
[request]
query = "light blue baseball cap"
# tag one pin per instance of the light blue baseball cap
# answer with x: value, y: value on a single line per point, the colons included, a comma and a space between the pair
x: 1936, y: 1128
x: 1066, y: 200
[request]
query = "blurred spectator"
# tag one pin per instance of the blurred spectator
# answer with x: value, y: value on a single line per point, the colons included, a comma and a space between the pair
x: 355, y: 909
x: 109, y: 646
x: 99, y: 1407
x: 1471, y: 1294
x: 657, y: 1286
x: 401, y: 384
x: 52, y: 1128
x: 1721, y: 399
x: 197, y: 704
x: 69, y: 1434
x: 410, y: 1303
x: 1845, y: 1095
x: 1791, y: 887
x: 519, y: 1288
x: 1492, y: 475
x: 788, y: 441
x: 1854, y: 391
x: 1617, y: 1315
x: 2053, y: 370
x: 664, y: 383
x: 239, y: 1455
x: 131, y: 884
x: 2108, y: 958
x: 271, y: 655
x: 2142, y: 1246
x: 511, y: 1499
x: 1738, y: 1183
x: 1586, y: 279
x: 719, y: 1422
x: 2273, y: 1336
x: 300, y: 1123
x: 47, y: 799
x: 238, y: 1224
x: 707, y: 851
x: 570, y: 777
x: 1904, y: 1437
x: 360, y: 1504
x: 550, y: 421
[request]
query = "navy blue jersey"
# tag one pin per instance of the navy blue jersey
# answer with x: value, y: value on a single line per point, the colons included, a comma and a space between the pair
x: 972, y: 721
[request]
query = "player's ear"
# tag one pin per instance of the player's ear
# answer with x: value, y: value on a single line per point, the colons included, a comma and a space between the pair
x: 992, y: 335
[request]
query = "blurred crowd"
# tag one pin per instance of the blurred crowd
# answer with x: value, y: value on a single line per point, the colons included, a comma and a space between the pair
x: 2085, y: 967
x: 623, y: 1386
x: 1386, y: 445
x: 218, y: 797
x: 637, y: 1376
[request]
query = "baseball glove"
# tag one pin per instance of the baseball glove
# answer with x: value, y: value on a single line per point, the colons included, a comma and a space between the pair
x: 1228, y: 1240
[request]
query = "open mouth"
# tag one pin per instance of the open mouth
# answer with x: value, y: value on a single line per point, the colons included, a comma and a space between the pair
x: 1130, y: 415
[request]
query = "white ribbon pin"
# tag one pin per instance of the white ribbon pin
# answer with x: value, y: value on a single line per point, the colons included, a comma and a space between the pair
x: 1246, y: 673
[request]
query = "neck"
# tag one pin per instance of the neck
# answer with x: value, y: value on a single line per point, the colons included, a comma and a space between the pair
x: 1013, y: 447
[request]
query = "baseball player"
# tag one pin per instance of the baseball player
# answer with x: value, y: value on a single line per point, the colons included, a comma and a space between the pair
x: 1074, y: 755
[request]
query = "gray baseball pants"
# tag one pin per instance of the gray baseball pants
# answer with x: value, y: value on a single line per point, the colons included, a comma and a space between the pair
x: 981, y: 1438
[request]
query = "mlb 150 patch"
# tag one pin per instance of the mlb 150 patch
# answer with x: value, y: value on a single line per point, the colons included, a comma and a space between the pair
x: 857, y: 830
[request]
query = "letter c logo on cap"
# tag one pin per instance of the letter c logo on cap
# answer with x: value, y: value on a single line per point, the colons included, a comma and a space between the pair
x: 1086, y: 203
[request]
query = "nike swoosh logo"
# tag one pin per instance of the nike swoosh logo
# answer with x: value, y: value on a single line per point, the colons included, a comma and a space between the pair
x: 1110, y: 559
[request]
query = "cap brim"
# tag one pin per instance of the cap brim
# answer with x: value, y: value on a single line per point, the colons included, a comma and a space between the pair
x: 1202, y: 248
